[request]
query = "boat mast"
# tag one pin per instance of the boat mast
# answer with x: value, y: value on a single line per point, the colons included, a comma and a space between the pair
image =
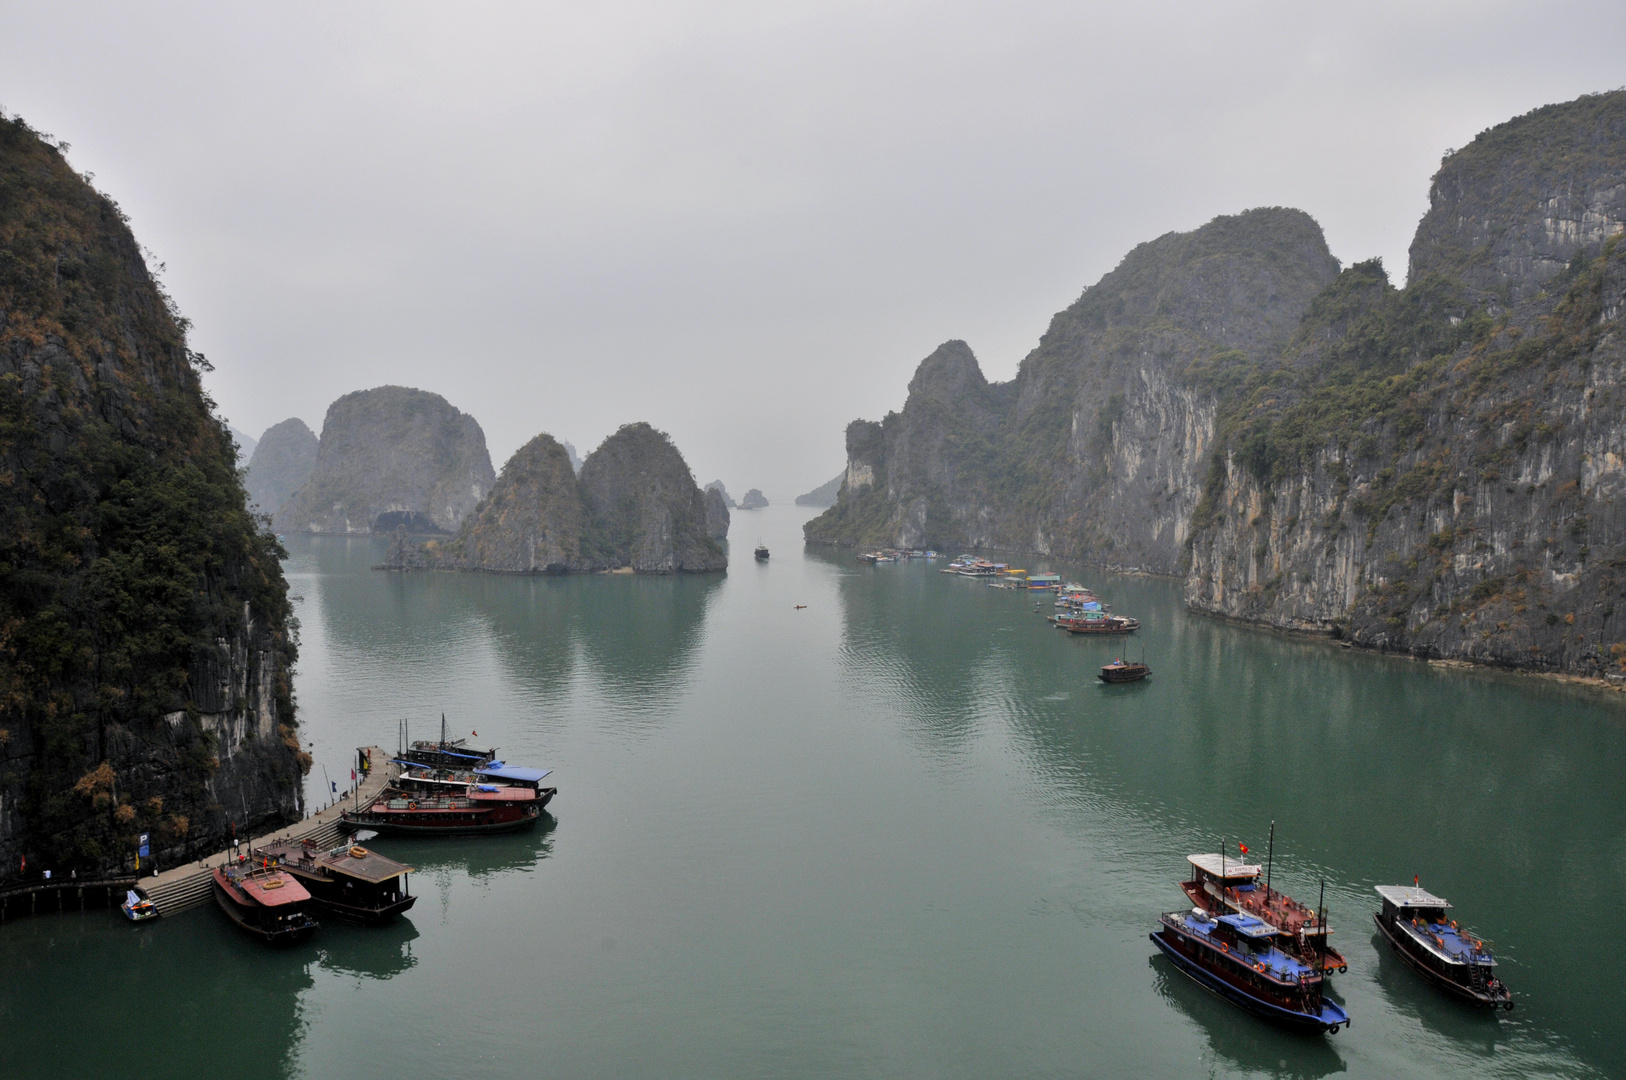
x: 1270, y: 860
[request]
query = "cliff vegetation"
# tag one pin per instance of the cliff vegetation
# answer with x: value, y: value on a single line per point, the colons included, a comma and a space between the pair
x: 146, y: 637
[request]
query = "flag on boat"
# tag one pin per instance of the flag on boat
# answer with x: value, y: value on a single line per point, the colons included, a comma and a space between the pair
x: 1243, y: 846
x: 474, y: 734
x: 334, y: 785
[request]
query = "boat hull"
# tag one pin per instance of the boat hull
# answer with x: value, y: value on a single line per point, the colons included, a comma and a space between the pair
x: 1484, y: 999
x: 1124, y: 676
x: 366, y: 916
x: 1329, y: 1020
x: 423, y: 823
x: 289, y: 934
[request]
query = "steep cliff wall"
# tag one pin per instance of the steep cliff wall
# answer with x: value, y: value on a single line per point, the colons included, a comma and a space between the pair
x: 1438, y: 469
x: 388, y: 456
x: 1099, y: 447
x: 635, y: 505
x: 282, y: 461
x: 145, y: 640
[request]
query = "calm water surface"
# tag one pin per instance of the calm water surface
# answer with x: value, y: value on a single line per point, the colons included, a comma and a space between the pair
x: 903, y: 832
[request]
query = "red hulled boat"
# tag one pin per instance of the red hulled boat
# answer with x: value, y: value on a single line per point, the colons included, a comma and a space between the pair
x: 264, y: 901
x: 477, y: 808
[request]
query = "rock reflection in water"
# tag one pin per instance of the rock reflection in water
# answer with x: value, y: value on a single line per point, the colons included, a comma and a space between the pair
x: 639, y: 633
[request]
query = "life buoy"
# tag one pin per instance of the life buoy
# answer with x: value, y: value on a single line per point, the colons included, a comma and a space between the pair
x: 358, y: 852
x: 412, y: 805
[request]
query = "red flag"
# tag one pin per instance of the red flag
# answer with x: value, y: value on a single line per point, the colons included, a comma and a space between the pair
x: 352, y: 774
x: 24, y: 866
x: 475, y: 734
x: 1244, y: 848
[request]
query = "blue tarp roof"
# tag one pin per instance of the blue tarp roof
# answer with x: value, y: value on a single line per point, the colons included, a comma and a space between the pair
x: 1248, y: 924
x: 513, y: 772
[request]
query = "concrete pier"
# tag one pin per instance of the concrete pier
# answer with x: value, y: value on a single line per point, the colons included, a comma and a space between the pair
x: 187, y: 886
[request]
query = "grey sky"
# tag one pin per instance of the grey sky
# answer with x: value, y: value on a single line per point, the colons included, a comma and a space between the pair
x: 743, y: 222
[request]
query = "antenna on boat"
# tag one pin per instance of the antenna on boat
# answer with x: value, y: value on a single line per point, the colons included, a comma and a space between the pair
x: 1321, y: 920
x: 443, y: 731
x: 1270, y: 860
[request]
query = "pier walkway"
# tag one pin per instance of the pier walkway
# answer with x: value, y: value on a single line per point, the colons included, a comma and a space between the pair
x: 188, y: 886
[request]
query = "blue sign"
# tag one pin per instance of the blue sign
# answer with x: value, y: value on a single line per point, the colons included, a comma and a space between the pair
x: 143, y: 849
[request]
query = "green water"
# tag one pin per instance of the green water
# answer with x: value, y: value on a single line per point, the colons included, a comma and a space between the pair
x: 903, y: 832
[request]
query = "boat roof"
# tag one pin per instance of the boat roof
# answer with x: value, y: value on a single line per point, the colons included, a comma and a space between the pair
x: 272, y: 888
x: 1410, y: 896
x: 488, y: 793
x: 1249, y: 925
x: 521, y: 773
x: 370, y: 866
x: 1211, y: 862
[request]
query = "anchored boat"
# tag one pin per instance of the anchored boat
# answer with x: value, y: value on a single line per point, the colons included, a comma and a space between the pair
x: 1122, y: 671
x: 1414, y: 922
x: 350, y: 882
x: 1094, y: 622
x: 137, y: 907
x: 1219, y: 885
x: 478, y: 808
x: 264, y: 901
x: 1235, y: 957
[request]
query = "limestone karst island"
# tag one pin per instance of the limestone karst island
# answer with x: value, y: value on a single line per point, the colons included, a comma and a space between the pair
x: 1226, y: 677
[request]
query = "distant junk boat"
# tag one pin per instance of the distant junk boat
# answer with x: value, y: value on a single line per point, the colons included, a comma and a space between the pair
x: 762, y: 553
x: 1121, y: 671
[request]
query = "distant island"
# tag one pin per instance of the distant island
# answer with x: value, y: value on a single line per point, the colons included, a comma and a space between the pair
x: 1434, y: 470
x: 754, y: 500
x: 824, y: 494
x: 635, y: 506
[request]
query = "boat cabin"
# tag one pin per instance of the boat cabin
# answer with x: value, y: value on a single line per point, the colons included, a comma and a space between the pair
x: 1223, y: 869
x: 523, y: 776
x: 1407, y: 902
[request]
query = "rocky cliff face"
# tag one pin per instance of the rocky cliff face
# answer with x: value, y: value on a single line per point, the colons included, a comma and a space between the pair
x: 646, y: 509
x: 1099, y: 447
x: 1435, y: 469
x: 392, y: 456
x: 1438, y: 469
x: 635, y: 505
x: 282, y: 462
x: 717, y: 518
x: 144, y: 622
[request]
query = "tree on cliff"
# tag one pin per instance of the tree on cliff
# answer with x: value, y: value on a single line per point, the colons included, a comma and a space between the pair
x: 144, y: 619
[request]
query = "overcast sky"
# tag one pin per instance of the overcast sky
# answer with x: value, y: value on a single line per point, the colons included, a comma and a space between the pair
x: 743, y: 222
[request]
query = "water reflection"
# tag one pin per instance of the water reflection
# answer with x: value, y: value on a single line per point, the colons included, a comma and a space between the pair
x: 1478, y: 1031
x: 640, y: 633
x: 1492, y: 788
x: 1247, y: 1044
x: 62, y: 1016
x: 477, y: 856
x: 370, y: 952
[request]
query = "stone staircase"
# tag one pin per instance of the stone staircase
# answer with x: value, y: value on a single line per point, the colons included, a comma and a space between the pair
x: 189, y: 886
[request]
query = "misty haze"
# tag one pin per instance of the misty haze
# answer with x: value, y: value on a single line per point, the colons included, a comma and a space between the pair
x: 817, y: 540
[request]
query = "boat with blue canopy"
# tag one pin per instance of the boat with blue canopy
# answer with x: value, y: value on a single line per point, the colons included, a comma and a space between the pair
x: 1236, y: 957
x: 1414, y: 922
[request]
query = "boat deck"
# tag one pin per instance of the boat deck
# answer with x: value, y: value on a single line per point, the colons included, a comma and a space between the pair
x: 1262, y: 955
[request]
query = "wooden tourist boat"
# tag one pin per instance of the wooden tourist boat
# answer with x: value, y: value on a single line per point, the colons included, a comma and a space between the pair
x: 1121, y: 671
x: 1235, y: 956
x: 478, y: 809
x: 1095, y: 622
x: 1414, y: 922
x: 264, y: 901
x: 1220, y: 886
x: 492, y: 776
x: 350, y: 882
x: 762, y: 553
